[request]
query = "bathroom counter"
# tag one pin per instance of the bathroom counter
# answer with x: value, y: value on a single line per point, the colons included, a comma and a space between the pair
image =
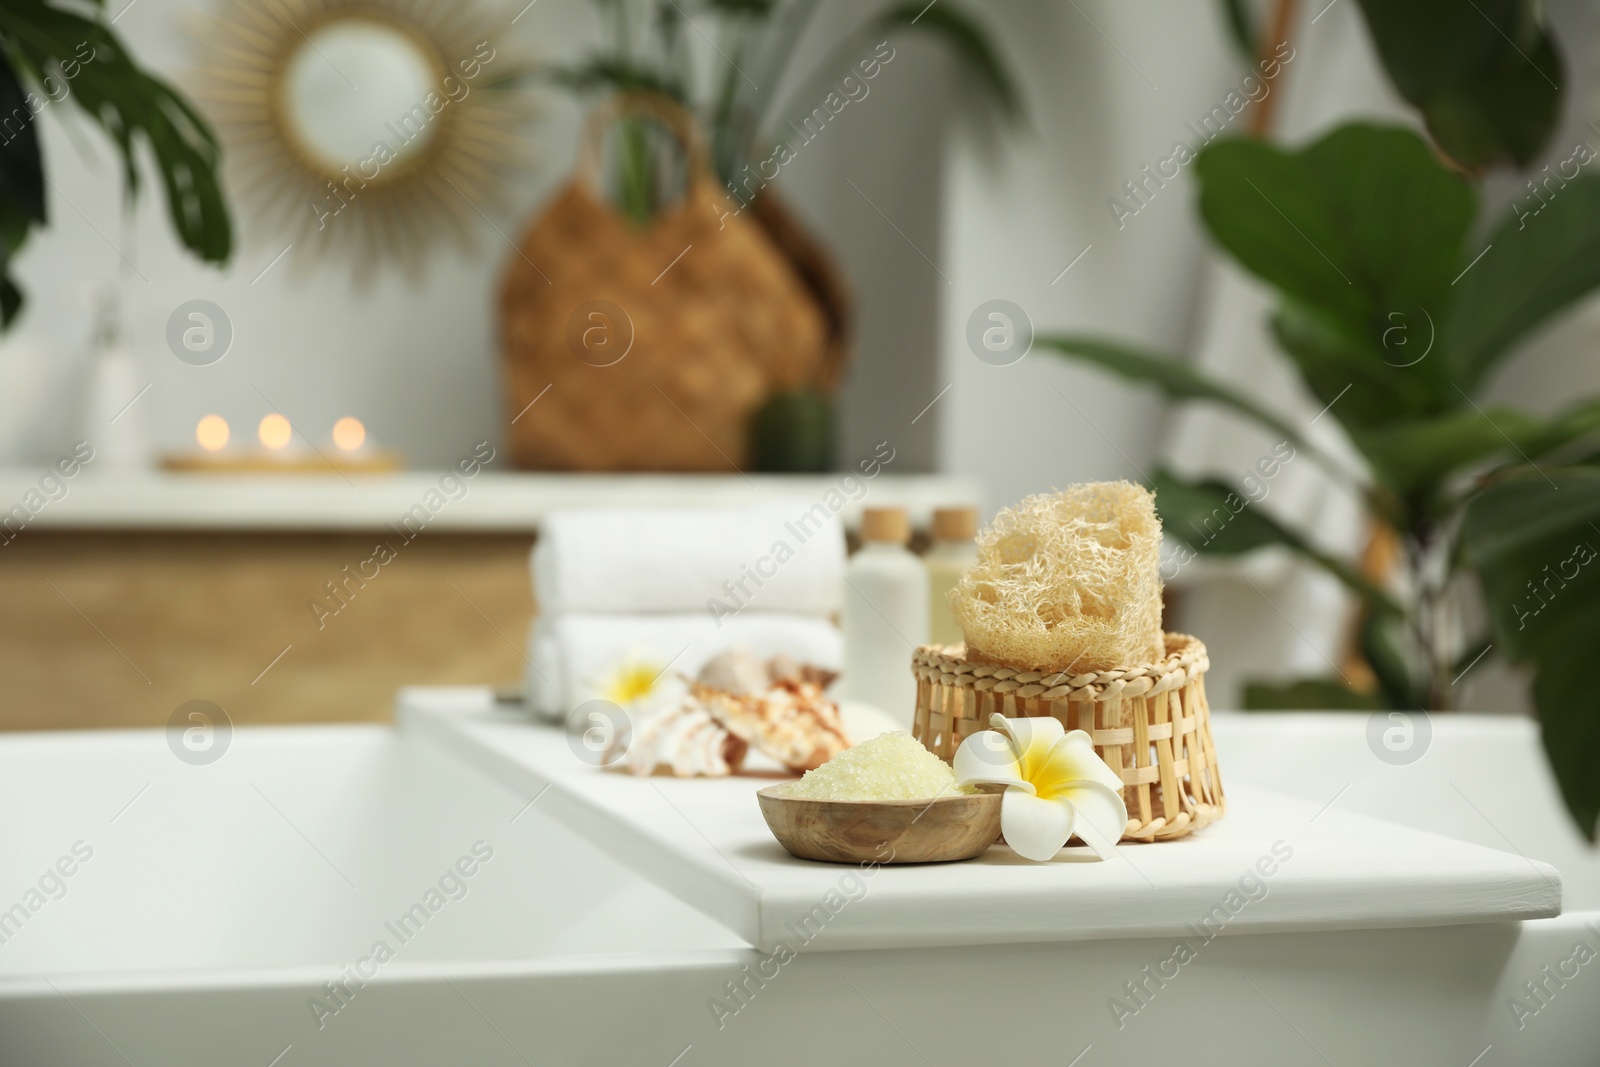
x: 491, y: 502
x: 132, y: 594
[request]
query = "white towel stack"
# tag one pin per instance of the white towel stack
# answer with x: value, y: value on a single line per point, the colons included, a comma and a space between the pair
x: 671, y: 588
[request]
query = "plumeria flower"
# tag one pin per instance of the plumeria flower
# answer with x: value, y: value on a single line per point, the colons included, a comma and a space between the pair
x: 1056, y: 785
x: 630, y: 681
x: 636, y: 682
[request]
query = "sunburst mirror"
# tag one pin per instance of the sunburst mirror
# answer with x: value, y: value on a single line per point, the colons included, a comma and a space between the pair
x: 365, y: 130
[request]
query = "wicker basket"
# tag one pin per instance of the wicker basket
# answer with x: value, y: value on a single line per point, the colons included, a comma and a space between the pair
x: 1151, y: 723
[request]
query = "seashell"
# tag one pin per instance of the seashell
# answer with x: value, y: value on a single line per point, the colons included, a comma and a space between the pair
x: 736, y: 671
x: 792, y: 721
x: 687, y: 742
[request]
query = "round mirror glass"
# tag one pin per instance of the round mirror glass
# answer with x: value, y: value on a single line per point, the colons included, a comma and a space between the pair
x: 355, y: 84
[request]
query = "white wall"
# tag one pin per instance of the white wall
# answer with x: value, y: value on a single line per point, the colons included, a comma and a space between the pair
x: 1110, y: 86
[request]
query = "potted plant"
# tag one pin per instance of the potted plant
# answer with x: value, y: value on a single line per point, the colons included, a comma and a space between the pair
x: 1370, y: 226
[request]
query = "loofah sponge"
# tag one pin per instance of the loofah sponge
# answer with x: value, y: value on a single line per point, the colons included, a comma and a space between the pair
x: 1067, y: 581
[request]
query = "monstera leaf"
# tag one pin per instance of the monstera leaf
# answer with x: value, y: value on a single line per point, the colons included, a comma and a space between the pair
x: 21, y: 186
x: 1535, y: 541
x: 78, y: 51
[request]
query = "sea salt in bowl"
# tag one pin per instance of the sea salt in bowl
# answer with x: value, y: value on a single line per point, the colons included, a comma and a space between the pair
x: 887, y: 800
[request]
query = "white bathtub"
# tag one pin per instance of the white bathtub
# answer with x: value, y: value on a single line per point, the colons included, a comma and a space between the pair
x: 219, y: 900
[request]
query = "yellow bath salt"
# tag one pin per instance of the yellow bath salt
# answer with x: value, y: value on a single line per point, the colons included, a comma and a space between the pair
x: 891, y: 766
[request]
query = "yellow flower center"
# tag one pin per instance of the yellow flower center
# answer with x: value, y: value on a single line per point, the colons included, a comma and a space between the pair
x: 631, y: 682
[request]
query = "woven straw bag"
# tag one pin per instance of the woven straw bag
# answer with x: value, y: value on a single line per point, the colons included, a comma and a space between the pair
x: 656, y: 345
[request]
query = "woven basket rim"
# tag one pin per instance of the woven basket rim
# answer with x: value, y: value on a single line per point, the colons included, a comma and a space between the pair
x: 1185, y: 660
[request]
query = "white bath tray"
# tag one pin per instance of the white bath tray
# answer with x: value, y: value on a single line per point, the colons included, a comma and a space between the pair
x: 705, y: 842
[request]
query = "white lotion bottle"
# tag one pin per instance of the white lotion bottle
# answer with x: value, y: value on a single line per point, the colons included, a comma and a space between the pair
x: 885, y: 616
x: 953, y: 550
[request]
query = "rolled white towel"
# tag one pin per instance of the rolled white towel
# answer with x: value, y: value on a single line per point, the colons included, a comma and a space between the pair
x: 769, y: 558
x: 577, y: 657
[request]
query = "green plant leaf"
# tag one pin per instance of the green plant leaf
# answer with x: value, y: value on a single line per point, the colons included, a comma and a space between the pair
x: 1422, y: 456
x: 1360, y: 223
x: 1177, y: 379
x: 967, y: 40
x: 10, y: 296
x: 22, y: 204
x: 21, y: 170
x: 129, y: 105
x: 1535, y: 265
x: 1241, y: 27
x: 1308, y: 694
x: 1520, y: 534
x: 606, y: 74
x: 1485, y: 74
x: 1263, y: 206
x: 1574, y: 425
x: 1416, y: 456
x: 745, y: 8
x: 1385, y: 649
x: 1418, y: 461
x: 1535, y: 542
x: 1361, y: 232
x: 1213, y: 517
x: 1569, y: 725
x: 1351, y: 376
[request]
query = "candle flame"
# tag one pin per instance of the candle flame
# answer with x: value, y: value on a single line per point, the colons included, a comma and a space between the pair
x: 274, y: 431
x: 348, y: 433
x: 212, y: 432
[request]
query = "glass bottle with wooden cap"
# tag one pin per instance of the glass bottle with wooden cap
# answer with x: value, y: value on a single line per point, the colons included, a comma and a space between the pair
x: 885, y: 615
x: 953, y: 550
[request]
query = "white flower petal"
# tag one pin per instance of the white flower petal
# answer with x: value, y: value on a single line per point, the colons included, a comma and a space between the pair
x: 1030, y: 733
x: 986, y: 758
x: 1101, y: 815
x: 1084, y: 763
x: 1034, y: 828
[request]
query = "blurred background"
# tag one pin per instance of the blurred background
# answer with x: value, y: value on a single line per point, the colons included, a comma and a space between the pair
x: 958, y: 181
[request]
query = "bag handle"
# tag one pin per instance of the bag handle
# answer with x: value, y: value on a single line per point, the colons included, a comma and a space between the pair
x: 674, y: 116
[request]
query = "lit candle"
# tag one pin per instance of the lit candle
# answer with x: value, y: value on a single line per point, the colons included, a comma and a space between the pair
x: 212, y: 432
x: 349, y: 434
x: 274, y: 431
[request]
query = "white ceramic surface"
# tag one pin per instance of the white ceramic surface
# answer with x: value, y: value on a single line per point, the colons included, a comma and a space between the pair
x: 705, y: 841
x: 1479, y: 778
x: 206, y: 922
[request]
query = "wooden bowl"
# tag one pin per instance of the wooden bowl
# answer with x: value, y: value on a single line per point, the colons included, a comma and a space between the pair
x: 882, y: 831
